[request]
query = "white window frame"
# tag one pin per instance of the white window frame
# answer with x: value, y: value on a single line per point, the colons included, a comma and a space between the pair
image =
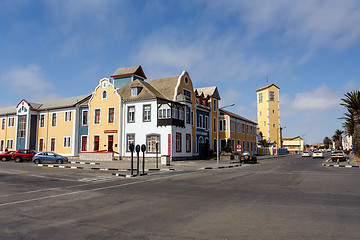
x: 129, y: 119
x: 67, y: 116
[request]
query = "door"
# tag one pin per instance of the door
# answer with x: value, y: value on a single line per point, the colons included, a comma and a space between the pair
x: 110, y: 143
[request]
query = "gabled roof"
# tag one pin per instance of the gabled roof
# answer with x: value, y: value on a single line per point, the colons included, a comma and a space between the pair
x: 267, y: 86
x: 166, y: 86
x: 128, y: 71
x: 147, y: 91
x: 237, y: 116
x: 209, y: 92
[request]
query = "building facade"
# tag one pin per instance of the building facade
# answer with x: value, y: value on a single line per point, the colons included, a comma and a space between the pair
x: 268, y: 112
x: 167, y: 115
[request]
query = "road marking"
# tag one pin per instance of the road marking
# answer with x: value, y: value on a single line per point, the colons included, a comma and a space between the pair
x: 19, y: 171
x: 94, y: 189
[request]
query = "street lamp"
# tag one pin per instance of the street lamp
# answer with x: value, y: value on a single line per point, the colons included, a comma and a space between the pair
x: 217, y: 132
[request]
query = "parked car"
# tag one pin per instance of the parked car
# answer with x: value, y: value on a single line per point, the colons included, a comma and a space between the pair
x: 23, y: 155
x: 306, y: 154
x: 6, y: 156
x: 49, y: 157
x: 248, y: 157
x: 338, y: 156
x: 318, y: 154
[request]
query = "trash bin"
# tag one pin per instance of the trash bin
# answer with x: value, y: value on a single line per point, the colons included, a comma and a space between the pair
x: 165, y: 160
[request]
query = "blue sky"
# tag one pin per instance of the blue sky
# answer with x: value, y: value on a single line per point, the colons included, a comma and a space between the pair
x: 310, y: 49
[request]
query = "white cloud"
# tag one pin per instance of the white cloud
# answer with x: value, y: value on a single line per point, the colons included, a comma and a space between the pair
x: 29, y: 83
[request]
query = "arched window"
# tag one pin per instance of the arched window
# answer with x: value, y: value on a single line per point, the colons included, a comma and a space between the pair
x: 104, y: 94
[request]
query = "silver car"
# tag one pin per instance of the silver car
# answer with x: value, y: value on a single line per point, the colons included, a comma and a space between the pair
x: 318, y: 154
x: 49, y: 157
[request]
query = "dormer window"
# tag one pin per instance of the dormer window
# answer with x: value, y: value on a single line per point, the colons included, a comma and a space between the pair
x: 134, y: 91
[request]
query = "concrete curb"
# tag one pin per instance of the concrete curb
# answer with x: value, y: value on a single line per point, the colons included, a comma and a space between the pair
x: 92, y: 163
x: 339, y: 165
x: 222, y: 167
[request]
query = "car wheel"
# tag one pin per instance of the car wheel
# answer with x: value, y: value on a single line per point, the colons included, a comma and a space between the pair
x: 37, y: 161
x: 3, y: 159
x: 59, y: 161
x: 17, y: 159
x: 246, y: 158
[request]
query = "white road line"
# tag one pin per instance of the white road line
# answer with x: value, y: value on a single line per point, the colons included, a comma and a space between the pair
x: 92, y: 190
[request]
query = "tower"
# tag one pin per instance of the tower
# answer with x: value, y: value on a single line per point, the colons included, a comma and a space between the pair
x: 268, y: 112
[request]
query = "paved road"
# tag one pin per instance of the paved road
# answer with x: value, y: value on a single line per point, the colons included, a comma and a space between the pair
x: 286, y: 198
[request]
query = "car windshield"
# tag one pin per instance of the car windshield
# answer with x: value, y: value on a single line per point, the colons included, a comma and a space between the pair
x: 338, y: 152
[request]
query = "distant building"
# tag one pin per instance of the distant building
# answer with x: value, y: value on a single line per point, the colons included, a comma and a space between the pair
x: 268, y: 113
x: 294, y: 145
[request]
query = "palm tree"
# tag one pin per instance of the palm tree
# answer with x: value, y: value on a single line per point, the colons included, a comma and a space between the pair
x: 337, y: 138
x: 352, y: 103
x: 327, y: 142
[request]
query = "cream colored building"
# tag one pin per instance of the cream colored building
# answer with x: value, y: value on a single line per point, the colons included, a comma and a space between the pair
x: 294, y: 145
x: 268, y: 112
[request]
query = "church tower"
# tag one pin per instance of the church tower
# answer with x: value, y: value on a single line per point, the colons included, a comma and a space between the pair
x: 268, y: 113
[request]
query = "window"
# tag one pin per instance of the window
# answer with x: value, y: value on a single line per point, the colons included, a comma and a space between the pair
x: 3, y: 124
x: 97, y: 116
x: 10, y: 143
x: 243, y: 146
x: 178, y: 142
x: 206, y: 124
x: 273, y: 111
x: 11, y: 122
x: 151, y: 143
x: 200, y: 122
x: 164, y: 112
x: 188, y: 142
x: 85, y: 117
x: 175, y: 113
x: 67, y: 141
x: 272, y: 96
x: 232, y: 126
x: 134, y: 91
x: 260, y: 97
x: 187, y: 94
x: 187, y: 115
x: 84, y: 140
x: 104, y: 94
x: 264, y: 123
x: 96, y: 143
x: 67, y: 116
x: 238, y: 127
x: 274, y: 125
x: 251, y: 130
x: 131, y: 114
x: 130, y: 139
x: 260, y: 113
x: 215, y: 125
x: 2, y: 145
x: 181, y: 114
x: 223, y: 125
x: 53, y: 120
x: 52, y: 144
x: 214, y: 105
x: 186, y: 80
x: 41, y: 144
x: 243, y: 128
x: 22, y: 126
x: 42, y: 120
x: 192, y: 118
x: 247, y: 129
x: 111, y: 114
x: 147, y: 113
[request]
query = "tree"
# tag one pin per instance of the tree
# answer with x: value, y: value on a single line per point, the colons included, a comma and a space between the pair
x: 352, y: 118
x: 264, y: 143
x: 327, y: 142
x: 337, y: 138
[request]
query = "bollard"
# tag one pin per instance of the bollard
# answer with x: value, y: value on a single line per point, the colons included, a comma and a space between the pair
x: 137, y: 152
x: 143, y: 149
x: 131, y: 148
x: 157, y: 149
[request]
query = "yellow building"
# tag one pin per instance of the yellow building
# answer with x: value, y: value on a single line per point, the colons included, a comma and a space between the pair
x: 268, y: 112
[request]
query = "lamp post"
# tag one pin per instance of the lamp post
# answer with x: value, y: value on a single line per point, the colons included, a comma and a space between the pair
x: 217, y: 132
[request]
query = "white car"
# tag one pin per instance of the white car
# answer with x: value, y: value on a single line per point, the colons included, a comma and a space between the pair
x: 306, y: 154
x: 318, y: 154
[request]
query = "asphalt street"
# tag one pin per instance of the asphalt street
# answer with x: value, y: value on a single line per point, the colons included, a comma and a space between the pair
x: 285, y: 198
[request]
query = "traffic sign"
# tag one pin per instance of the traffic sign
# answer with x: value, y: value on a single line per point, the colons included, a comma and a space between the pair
x: 238, y: 148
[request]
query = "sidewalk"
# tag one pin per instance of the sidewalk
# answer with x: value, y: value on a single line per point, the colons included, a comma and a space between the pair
x: 347, y: 164
x: 123, y: 167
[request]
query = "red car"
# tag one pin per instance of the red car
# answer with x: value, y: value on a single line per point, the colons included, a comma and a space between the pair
x: 23, y: 154
x: 6, y: 156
